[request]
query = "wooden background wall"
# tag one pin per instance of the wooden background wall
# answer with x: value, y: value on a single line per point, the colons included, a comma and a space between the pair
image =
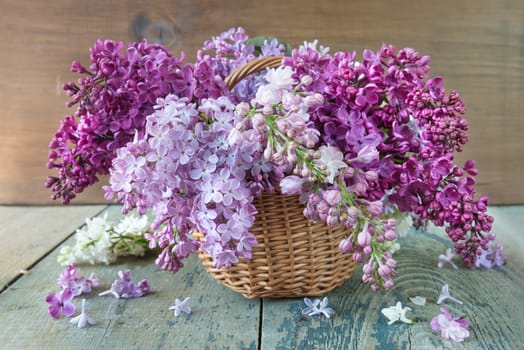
x: 477, y: 45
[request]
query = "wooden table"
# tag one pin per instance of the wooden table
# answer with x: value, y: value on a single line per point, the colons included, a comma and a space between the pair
x: 31, y: 238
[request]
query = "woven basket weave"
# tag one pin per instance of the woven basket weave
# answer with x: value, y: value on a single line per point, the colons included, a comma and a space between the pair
x: 294, y: 257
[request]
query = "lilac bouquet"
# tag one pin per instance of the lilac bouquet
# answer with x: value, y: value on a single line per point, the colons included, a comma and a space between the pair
x: 362, y: 143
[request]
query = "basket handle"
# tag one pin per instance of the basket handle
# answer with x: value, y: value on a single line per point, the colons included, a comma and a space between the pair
x: 252, y: 67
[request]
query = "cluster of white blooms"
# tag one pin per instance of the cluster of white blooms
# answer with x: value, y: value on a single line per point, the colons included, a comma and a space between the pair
x: 101, y: 241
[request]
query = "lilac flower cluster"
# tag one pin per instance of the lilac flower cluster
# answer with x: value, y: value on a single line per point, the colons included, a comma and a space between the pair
x: 362, y: 143
x: 397, y: 130
x: 192, y: 179
x: 71, y: 284
x: 125, y: 288
x: 279, y: 119
x: 119, y: 89
x: 114, y: 95
x: 71, y: 278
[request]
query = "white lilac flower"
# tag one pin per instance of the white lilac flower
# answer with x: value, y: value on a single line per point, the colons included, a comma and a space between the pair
x: 181, y: 306
x: 317, y: 307
x: 132, y: 224
x: 313, y: 45
x: 67, y: 256
x: 444, y: 259
x: 397, y: 313
x: 281, y: 78
x: 444, y: 295
x: 332, y: 160
x: 417, y: 300
x: 94, y: 241
x: 292, y: 185
x: 99, y: 241
x: 83, y: 319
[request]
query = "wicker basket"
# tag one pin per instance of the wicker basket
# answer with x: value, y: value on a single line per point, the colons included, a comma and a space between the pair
x: 294, y: 257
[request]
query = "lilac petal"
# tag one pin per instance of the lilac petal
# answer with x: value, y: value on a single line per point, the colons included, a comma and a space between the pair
x: 54, y: 311
x: 69, y: 309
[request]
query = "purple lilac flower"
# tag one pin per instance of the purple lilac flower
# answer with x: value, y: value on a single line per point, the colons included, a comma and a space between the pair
x: 206, y: 189
x: 60, y: 303
x: 125, y: 288
x: 114, y: 95
x: 454, y: 328
x: 70, y: 278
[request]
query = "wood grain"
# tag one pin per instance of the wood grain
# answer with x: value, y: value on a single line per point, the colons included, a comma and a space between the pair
x: 492, y: 303
x: 478, y: 46
x: 222, y: 319
x: 28, y: 233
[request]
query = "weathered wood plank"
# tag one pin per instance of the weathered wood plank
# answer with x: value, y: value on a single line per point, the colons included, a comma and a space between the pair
x: 220, y: 319
x: 493, y: 303
x: 28, y: 233
x: 477, y: 45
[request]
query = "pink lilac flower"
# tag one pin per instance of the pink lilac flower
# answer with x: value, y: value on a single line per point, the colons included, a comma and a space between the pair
x: 83, y: 319
x: 60, y: 303
x: 125, y: 288
x: 181, y: 306
x: 454, y: 328
x: 70, y: 278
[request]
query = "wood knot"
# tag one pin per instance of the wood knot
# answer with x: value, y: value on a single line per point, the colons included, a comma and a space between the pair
x: 155, y: 28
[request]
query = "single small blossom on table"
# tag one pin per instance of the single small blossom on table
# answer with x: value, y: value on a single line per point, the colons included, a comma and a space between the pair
x: 397, y: 313
x: 60, y: 303
x: 181, y: 306
x: 83, y: 319
x: 444, y: 259
x: 444, y: 295
x: 317, y: 307
x: 418, y: 300
x: 454, y: 328
x: 125, y: 288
